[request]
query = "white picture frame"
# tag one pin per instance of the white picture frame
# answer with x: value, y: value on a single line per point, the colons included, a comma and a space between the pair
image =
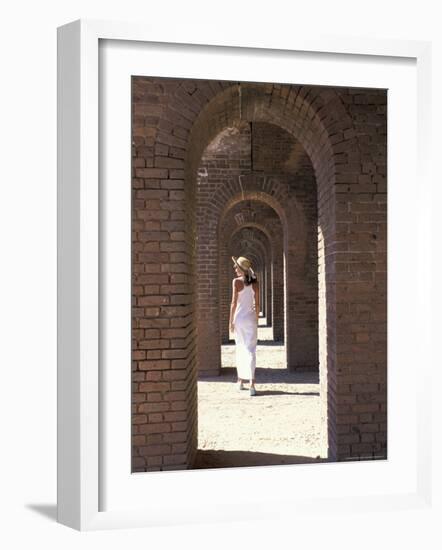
x: 82, y: 468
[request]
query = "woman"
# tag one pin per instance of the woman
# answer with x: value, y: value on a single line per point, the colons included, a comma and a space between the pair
x: 244, y: 314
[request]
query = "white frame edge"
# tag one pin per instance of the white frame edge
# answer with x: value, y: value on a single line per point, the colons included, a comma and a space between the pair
x: 78, y: 255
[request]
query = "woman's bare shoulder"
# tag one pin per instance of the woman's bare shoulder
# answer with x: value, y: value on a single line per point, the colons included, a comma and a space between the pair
x: 238, y: 283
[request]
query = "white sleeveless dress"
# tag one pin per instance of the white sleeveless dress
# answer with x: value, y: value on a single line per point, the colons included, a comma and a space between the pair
x: 246, y: 333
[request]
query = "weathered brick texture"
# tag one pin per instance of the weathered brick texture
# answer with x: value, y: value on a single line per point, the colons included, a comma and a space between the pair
x: 316, y: 157
x: 263, y: 161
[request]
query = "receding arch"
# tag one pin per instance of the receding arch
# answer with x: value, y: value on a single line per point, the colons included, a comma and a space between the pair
x: 274, y: 299
x: 311, y: 133
x: 315, y: 116
x: 255, y: 242
x: 223, y: 201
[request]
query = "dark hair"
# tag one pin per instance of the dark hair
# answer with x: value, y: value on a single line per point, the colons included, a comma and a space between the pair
x: 248, y: 279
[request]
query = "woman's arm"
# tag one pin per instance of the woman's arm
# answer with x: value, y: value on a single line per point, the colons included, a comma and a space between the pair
x: 233, y: 305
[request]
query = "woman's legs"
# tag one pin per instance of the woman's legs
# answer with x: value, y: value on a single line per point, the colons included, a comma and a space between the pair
x: 251, y: 380
x: 240, y: 385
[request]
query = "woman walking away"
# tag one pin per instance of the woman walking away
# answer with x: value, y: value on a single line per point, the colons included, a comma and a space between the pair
x: 244, y: 314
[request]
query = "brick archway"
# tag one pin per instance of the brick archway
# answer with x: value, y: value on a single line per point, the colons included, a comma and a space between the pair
x: 320, y: 123
x: 300, y: 332
x: 343, y: 132
x: 258, y: 235
x: 255, y: 245
x: 270, y: 229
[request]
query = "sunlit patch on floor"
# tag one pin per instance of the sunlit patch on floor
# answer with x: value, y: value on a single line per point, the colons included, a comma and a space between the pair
x: 280, y: 425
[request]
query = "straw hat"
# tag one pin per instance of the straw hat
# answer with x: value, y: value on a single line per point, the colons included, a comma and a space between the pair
x: 244, y: 265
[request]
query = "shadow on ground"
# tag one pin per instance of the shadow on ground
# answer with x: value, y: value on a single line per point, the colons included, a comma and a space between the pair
x: 267, y: 376
x: 233, y: 459
x: 260, y: 342
x: 278, y: 392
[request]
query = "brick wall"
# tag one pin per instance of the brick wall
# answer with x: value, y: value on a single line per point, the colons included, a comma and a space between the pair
x: 341, y: 132
x: 361, y: 280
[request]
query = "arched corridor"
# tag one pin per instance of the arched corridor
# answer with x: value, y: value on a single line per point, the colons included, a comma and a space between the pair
x: 243, y: 171
x: 272, y: 221
x: 293, y: 177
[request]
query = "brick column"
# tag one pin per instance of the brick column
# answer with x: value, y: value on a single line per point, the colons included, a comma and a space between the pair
x: 226, y: 276
x: 361, y: 288
x: 302, y: 281
x: 268, y: 292
x: 209, y: 337
x: 277, y: 282
x: 261, y: 282
x: 164, y: 421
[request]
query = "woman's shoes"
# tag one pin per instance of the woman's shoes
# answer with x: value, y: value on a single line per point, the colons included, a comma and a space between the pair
x: 240, y: 387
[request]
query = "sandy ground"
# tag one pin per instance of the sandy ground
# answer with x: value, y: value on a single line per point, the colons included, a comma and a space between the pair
x: 280, y: 425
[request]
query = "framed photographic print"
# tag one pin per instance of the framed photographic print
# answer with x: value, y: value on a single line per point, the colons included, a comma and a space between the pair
x: 231, y: 220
